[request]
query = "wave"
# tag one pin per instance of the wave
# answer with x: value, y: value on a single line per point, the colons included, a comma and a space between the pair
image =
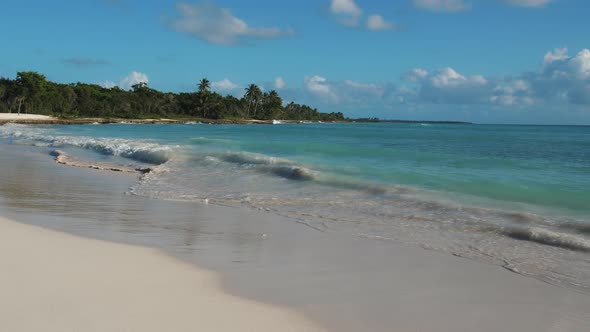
x: 547, y: 237
x: 151, y: 153
x: 292, y: 170
x: 293, y: 173
x: 247, y: 158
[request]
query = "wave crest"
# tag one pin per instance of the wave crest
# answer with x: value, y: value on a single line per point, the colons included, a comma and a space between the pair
x: 142, y: 151
x: 547, y: 237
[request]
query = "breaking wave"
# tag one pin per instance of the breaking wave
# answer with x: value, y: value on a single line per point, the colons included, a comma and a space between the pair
x: 142, y: 151
x: 292, y: 170
x: 246, y: 158
x: 548, y: 237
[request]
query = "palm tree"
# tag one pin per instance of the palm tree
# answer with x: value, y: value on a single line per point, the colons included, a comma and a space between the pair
x: 204, y: 85
x: 253, y: 94
x: 273, y: 94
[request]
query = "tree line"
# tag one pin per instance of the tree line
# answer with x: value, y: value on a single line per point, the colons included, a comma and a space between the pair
x: 31, y: 92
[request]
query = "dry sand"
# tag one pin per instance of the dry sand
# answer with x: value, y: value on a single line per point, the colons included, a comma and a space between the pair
x: 56, y: 282
x: 27, y: 117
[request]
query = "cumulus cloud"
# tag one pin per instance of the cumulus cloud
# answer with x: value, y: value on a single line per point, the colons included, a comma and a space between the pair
x: 321, y: 91
x: 347, y: 11
x: 561, y: 79
x: 449, y: 86
x: 558, y: 89
x: 224, y: 85
x: 555, y: 55
x: 442, y: 5
x: 377, y: 22
x: 415, y: 74
x: 319, y: 87
x: 218, y: 25
x: 107, y: 84
x: 528, y: 3
x: 580, y: 64
x: 279, y: 83
x: 515, y: 92
x: 133, y: 78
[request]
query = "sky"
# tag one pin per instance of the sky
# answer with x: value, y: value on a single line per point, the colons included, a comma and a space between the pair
x: 485, y: 61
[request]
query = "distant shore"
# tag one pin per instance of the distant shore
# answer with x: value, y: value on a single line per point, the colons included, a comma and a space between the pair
x: 44, y: 119
x: 50, y: 120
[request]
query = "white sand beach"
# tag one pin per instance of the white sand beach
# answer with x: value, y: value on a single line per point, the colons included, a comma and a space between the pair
x: 24, y: 117
x: 56, y: 282
x: 243, y: 269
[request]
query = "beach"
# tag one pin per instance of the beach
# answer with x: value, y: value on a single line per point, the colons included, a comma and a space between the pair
x: 250, y: 261
x: 24, y: 117
x: 59, y: 282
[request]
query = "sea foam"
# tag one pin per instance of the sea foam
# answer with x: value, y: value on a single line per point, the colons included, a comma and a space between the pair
x: 138, y: 150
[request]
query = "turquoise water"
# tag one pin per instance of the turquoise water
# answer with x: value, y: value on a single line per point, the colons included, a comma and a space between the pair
x: 471, y: 190
x: 548, y: 166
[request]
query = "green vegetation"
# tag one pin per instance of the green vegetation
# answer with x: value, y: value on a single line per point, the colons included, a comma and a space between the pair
x: 31, y: 92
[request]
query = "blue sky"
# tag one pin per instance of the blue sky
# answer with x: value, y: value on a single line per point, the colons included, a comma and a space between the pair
x: 489, y: 61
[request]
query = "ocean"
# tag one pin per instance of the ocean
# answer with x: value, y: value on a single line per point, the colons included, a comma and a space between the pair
x: 514, y: 196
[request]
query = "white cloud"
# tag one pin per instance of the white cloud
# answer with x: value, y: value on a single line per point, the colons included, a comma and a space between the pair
x: 107, y: 84
x: 449, y: 77
x: 133, y: 78
x: 217, y: 25
x: 319, y: 87
x: 347, y: 11
x: 442, y: 5
x: 528, y: 3
x: 449, y: 86
x: 280, y: 83
x: 415, y: 74
x: 223, y: 85
x: 580, y: 64
x: 377, y: 22
x: 561, y: 79
x: 517, y: 92
x: 555, y: 55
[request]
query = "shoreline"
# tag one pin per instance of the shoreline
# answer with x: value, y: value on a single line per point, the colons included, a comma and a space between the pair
x: 273, y: 260
x: 50, y: 120
x: 59, y: 282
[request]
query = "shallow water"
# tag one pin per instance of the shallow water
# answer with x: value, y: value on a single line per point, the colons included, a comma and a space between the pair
x: 344, y: 282
x: 515, y: 196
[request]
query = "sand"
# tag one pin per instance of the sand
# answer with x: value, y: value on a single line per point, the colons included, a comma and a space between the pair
x: 344, y: 283
x: 56, y: 282
x: 22, y: 116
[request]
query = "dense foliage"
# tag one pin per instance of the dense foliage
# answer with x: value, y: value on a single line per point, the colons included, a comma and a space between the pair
x: 31, y: 92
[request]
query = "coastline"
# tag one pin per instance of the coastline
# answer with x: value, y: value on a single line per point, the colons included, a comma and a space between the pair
x: 340, y: 282
x: 49, y: 120
x: 59, y: 282
x: 35, y: 119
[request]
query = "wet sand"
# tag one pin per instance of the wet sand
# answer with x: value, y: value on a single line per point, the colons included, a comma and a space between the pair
x: 342, y: 282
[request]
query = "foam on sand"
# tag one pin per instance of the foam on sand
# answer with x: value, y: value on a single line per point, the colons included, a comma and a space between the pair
x: 63, y: 158
x: 57, y: 282
x: 143, y: 151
